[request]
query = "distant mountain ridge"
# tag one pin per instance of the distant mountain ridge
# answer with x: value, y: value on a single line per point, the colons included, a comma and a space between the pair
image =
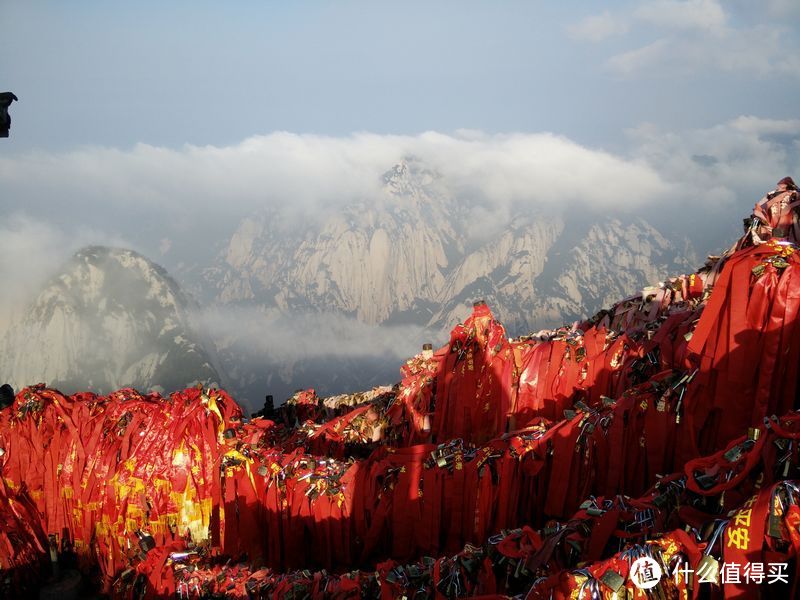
x: 412, y: 256
x: 111, y: 318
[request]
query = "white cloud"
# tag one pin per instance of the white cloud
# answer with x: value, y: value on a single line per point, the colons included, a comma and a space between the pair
x: 757, y: 126
x: 596, y: 28
x: 306, y: 174
x: 705, y: 15
x: 636, y: 60
x: 690, y: 37
x: 720, y: 172
x: 759, y: 51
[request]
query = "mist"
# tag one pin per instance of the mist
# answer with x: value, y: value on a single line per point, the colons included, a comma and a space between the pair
x: 33, y: 250
x: 177, y: 191
x: 180, y: 206
x: 263, y: 351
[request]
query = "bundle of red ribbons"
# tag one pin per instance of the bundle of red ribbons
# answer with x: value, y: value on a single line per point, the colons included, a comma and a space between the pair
x: 533, y: 466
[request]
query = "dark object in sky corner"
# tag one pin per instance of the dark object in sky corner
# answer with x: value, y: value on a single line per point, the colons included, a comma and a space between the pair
x: 6, y: 98
x: 6, y: 396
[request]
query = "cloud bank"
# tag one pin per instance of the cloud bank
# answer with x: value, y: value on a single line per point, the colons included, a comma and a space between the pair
x: 158, y: 199
x: 310, y: 172
x: 306, y: 174
x: 689, y: 37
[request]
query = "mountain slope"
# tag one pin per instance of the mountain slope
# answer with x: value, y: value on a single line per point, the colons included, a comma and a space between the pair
x: 110, y: 319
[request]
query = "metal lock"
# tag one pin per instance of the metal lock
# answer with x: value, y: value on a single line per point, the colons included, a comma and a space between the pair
x: 705, y: 481
x: 708, y: 567
x: 550, y: 530
x: 441, y: 460
x: 391, y: 577
x: 581, y: 405
x: 146, y: 541
x: 734, y: 454
x: 775, y: 528
x: 612, y: 580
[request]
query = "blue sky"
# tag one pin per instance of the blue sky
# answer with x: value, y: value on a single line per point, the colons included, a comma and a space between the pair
x: 118, y: 73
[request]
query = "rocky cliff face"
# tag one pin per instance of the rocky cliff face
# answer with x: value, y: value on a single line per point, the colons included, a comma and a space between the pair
x: 110, y: 319
x: 373, y: 260
x: 412, y: 256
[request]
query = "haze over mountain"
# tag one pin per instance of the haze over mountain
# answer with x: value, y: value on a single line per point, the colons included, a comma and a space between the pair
x: 417, y: 255
x: 408, y: 265
x: 110, y: 319
x: 333, y: 302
